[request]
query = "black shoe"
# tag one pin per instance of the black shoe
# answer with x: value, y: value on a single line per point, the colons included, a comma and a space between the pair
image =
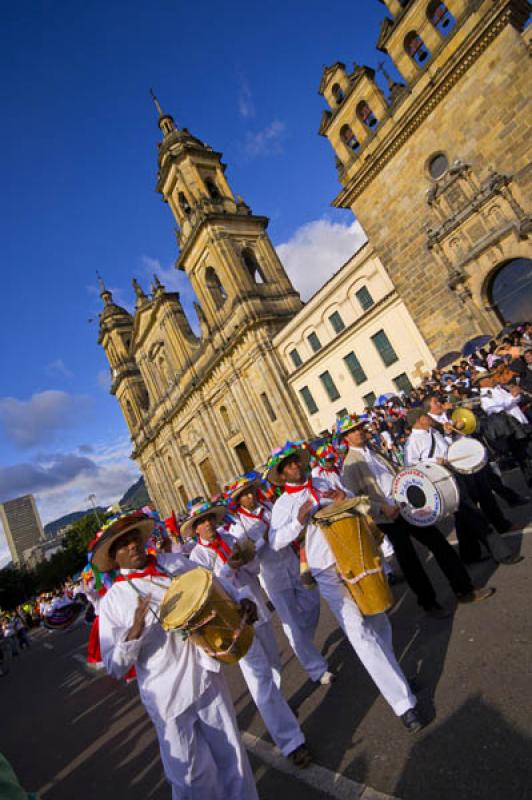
x: 437, y: 612
x: 411, y: 721
x: 509, y: 560
x: 479, y: 560
x: 518, y: 501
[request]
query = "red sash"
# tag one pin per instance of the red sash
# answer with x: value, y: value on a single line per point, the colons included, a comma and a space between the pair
x: 148, y: 571
x: 292, y: 489
x: 259, y: 516
x: 220, y: 548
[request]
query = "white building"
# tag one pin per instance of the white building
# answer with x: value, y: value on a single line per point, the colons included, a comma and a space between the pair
x: 353, y: 341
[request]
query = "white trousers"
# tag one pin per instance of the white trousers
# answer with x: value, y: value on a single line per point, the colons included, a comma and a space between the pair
x: 371, y: 639
x: 201, y: 750
x: 299, y: 611
x: 263, y: 680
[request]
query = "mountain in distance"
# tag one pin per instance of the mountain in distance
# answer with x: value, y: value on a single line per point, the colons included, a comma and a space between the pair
x: 51, y: 528
x: 136, y: 496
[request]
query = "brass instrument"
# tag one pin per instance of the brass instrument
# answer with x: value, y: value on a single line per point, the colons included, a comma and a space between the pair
x: 465, y: 416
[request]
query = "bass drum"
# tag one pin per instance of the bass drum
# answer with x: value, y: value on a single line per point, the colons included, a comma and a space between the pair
x: 467, y: 456
x: 426, y: 494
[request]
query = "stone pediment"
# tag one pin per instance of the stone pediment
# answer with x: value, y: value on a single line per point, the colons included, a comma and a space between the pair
x: 145, y: 319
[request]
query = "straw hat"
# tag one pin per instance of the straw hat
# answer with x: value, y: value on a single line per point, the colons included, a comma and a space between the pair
x: 200, y: 509
x: 350, y: 422
x: 241, y: 484
x: 127, y: 522
x: 280, y: 455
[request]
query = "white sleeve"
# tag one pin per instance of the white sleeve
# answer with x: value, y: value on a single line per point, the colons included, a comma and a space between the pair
x: 117, y: 654
x: 283, y: 529
x: 412, y: 453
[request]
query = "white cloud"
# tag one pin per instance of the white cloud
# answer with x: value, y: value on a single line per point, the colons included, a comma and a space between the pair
x: 246, y: 106
x: 58, y: 367
x: 38, y: 420
x: 266, y: 141
x: 103, y: 379
x: 317, y: 250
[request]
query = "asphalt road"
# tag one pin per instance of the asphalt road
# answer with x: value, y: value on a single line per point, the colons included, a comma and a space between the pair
x: 70, y: 733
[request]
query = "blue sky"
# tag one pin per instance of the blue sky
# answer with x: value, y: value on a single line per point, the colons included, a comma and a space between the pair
x: 78, y: 155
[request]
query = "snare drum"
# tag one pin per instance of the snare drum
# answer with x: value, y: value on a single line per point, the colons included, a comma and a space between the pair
x: 63, y: 618
x: 425, y: 493
x: 197, y: 606
x: 350, y: 535
x: 467, y: 456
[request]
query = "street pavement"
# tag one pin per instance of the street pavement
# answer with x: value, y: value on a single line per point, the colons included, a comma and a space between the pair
x: 72, y: 733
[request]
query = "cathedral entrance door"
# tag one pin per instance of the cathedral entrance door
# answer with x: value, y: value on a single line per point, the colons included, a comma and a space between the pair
x: 511, y: 290
x: 244, y: 457
x: 209, y: 477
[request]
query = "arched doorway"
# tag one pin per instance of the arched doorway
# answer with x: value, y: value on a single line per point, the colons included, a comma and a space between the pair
x: 511, y: 290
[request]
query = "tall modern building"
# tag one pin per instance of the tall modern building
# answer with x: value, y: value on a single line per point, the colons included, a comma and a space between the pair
x: 22, y: 525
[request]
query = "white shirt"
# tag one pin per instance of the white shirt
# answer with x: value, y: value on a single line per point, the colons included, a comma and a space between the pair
x: 285, y: 526
x: 172, y: 672
x: 498, y: 399
x: 330, y: 476
x: 383, y: 474
x: 279, y: 569
x: 244, y: 579
x: 443, y: 419
x: 419, y: 444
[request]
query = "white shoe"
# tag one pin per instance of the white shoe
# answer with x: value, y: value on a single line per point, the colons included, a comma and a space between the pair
x: 327, y: 678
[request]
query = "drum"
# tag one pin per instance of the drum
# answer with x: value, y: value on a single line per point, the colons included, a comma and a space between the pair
x: 198, y: 607
x: 353, y: 539
x: 467, y: 455
x: 426, y: 493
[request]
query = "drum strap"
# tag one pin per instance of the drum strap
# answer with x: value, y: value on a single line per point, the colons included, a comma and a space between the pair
x: 432, y: 445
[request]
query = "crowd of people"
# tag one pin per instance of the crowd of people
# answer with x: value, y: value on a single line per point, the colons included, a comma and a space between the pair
x: 264, y: 547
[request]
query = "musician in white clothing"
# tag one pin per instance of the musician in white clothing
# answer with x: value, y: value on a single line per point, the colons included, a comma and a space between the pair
x: 297, y: 607
x: 261, y: 666
x: 181, y: 687
x: 370, y: 637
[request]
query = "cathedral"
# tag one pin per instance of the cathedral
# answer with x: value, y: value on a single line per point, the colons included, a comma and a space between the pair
x: 436, y: 169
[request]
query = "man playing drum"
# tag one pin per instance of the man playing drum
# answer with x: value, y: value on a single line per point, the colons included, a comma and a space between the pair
x: 297, y: 607
x: 365, y: 472
x: 181, y: 687
x: 370, y: 637
x: 261, y: 666
x: 425, y: 445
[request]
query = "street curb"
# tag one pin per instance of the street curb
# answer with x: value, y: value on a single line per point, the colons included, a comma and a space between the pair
x: 331, y: 784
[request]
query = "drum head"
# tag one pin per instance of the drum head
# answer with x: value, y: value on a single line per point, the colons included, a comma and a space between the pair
x: 467, y: 455
x: 185, y: 596
x: 425, y: 494
x: 344, y: 507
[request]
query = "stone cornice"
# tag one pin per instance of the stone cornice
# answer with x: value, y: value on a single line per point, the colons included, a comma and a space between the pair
x: 214, y: 217
x: 476, y: 43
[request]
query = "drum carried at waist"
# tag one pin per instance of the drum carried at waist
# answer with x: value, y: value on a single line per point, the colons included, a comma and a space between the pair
x: 467, y: 456
x: 426, y: 493
x: 353, y: 539
x: 63, y: 618
x: 197, y: 606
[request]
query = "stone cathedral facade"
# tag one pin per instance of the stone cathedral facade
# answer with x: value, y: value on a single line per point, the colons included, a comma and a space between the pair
x: 202, y: 409
x: 437, y: 169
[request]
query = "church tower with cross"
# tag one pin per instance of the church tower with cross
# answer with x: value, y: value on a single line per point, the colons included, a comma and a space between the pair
x: 436, y: 166
x: 215, y: 399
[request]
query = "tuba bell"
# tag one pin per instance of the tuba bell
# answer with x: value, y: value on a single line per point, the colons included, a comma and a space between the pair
x: 467, y: 417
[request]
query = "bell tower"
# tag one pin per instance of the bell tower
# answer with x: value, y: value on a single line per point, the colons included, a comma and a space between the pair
x: 115, y: 336
x: 435, y: 168
x: 224, y: 248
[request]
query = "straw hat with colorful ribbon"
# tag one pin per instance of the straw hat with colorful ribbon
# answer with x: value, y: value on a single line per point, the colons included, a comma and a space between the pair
x: 281, y: 454
x: 199, y: 509
x: 113, y: 530
x: 325, y: 453
x: 242, y: 484
x: 350, y: 422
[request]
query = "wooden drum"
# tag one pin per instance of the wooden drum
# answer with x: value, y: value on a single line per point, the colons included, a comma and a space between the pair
x: 197, y: 606
x: 352, y: 537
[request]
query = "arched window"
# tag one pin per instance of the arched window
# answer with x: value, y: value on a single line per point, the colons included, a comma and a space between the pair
x: 130, y: 411
x: 219, y: 295
x: 416, y: 48
x: 440, y: 16
x: 348, y: 138
x: 338, y: 93
x: 185, y: 205
x: 250, y: 260
x: 212, y: 189
x: 171, y: 466
x: 366, y: 115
